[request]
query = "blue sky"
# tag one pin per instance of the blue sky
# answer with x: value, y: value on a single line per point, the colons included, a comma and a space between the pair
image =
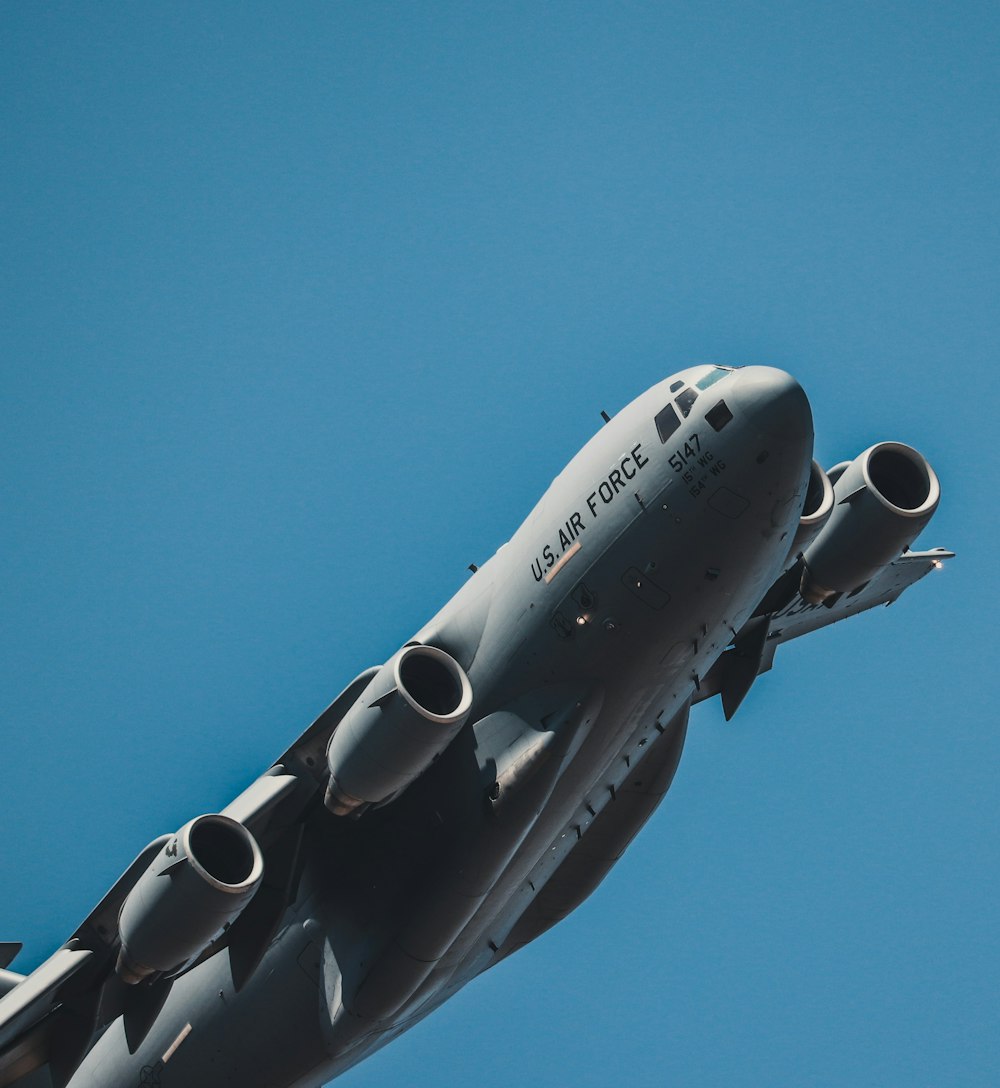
x: 303, y: 307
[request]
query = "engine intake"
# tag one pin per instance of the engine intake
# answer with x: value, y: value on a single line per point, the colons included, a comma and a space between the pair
x: 401, y: 723
x: 882, y: 500
x: 815, y: 513
x: 199, y: 883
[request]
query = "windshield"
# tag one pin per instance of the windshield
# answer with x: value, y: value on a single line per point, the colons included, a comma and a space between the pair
x: 717, y: 373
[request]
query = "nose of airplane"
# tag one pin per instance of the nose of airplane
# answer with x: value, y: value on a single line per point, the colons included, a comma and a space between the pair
x: 774, y: 402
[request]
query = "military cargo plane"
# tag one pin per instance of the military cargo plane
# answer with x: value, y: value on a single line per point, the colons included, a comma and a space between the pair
x: 455, y: 802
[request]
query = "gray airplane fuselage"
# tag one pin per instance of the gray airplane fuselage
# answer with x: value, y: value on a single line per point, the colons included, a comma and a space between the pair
x: 584, y: 638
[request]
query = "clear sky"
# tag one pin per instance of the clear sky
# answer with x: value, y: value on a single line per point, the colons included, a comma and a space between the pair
x: 304, y: 305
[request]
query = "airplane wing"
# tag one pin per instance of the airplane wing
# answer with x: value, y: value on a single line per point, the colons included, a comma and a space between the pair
x: 755, y: 646
x: 52, y: 1015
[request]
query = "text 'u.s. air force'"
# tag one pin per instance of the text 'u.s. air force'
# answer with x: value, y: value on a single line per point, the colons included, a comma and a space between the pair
x: 604, y: 494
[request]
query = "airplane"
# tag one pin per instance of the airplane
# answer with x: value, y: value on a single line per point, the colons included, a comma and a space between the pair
x: 457, y: 801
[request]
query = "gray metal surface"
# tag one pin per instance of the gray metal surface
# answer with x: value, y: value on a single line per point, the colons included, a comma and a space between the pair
x: 646, y: 579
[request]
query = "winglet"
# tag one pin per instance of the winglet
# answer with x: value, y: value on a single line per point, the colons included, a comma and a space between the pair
x: 8, y: 952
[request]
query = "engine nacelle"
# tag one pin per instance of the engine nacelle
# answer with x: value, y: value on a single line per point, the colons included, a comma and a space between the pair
x: 197, y: 884
x: 815, y: 513
x: 882, y: 500
x: 401, y: 723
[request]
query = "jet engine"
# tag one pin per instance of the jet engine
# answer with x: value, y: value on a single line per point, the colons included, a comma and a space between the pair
x: 882, y: 500
x: 197, y: 884
x: 815, y: 513
x: 401, y: 723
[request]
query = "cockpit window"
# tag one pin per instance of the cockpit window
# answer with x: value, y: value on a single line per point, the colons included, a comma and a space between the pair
x: 674, y: 386
x: 685, y: 401
x: 719, y: 415
x: 717, y: 373
x: 667, y: 422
